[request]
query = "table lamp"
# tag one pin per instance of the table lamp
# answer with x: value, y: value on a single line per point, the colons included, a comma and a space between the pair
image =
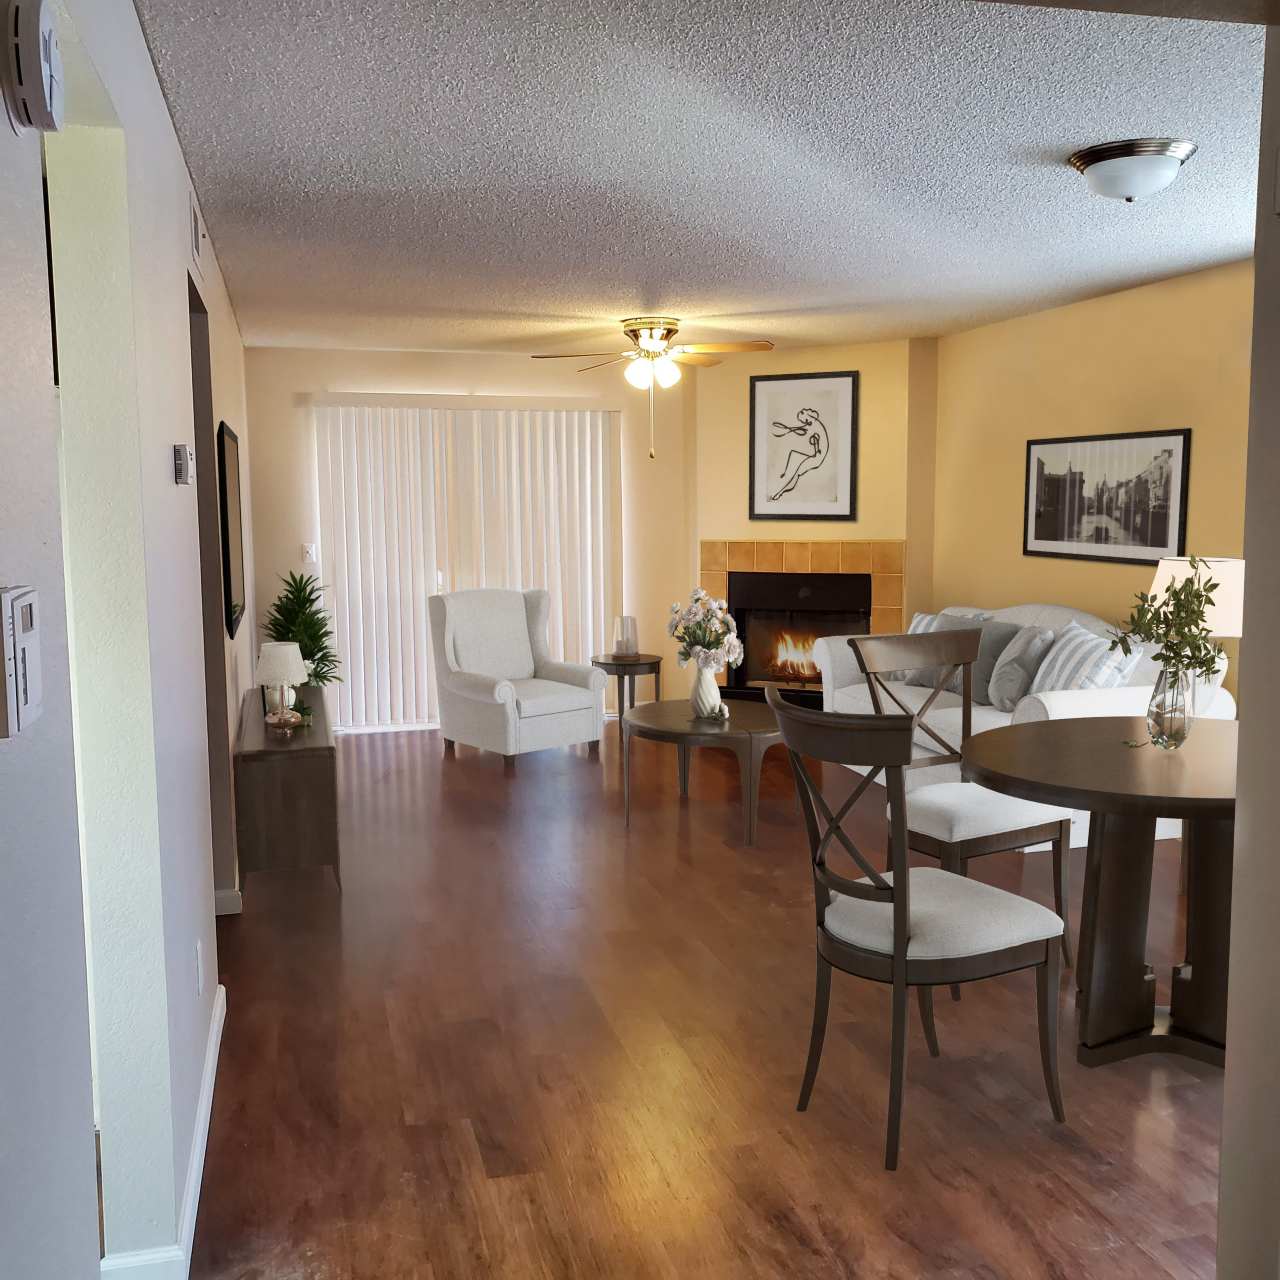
x: 1225, y: 617
x: 280, y: 667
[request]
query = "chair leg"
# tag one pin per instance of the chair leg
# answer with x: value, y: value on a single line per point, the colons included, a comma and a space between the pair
x: 897, y: 1074
x: 593, y: 749
x: 959, y: 867
x: 1061, y: 892
x: 1047, y: 979
x: 925, y: 995
x: 508, y: 764
x: 449, y: 748
x: 821, y: 1002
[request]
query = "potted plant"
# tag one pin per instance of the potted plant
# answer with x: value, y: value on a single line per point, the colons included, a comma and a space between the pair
x: 298, y: 614
x: 709, y: 639
x: 1175, y: 622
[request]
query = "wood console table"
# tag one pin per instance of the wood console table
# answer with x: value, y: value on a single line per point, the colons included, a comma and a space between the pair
x: 286, y: 792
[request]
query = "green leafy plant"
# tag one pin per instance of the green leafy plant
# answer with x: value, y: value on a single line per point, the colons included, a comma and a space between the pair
x: 298, y: 614
x: 1175, y: 621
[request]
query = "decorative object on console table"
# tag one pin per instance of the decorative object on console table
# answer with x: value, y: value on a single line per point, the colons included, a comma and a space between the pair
x: 298, y: 614
x: 1120, y: 498
x: 709, y: 639
x: 1182, y: 615
x: 804, y: 447
x: 280, y: 670
x: 286, y: 794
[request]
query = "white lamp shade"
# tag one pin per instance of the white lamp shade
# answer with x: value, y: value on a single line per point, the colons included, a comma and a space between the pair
x: 280, y: 662
x: 1225, y: 616
x: 1132, y: 177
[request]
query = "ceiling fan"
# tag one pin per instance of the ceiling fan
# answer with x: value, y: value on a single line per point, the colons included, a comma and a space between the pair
x: 653, y: 359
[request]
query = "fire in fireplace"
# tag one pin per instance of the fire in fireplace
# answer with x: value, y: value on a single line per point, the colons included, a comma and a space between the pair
x: 781, y: 615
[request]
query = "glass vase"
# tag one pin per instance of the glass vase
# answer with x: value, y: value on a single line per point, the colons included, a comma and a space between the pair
x: 705, y: 698
x: 1172, y: 709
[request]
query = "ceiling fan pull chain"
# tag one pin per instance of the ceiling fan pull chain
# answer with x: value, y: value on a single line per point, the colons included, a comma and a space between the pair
x: 652, y: 452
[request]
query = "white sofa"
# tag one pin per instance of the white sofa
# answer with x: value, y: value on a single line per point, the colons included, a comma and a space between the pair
x: 498, y: 687
x: 844, y: 689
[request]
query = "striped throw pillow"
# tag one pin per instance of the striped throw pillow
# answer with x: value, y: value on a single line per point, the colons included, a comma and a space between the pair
x: 1081, y: 660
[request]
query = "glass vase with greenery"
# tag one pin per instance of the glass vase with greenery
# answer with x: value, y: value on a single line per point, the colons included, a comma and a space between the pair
x: 1175, y: 622
x: 298, y: 614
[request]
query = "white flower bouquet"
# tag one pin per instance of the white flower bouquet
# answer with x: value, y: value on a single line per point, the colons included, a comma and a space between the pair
x: 707, y: 633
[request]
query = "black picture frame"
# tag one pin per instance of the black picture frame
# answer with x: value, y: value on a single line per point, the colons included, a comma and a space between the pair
x: 849, y: 441
x: 232, y: 528
x: 1141, y: 553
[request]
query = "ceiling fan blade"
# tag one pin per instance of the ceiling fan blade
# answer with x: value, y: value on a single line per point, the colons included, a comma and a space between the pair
x: 580, y: 355
x: 603, y: 364
x: 703, y: 362
x: 761, y: 344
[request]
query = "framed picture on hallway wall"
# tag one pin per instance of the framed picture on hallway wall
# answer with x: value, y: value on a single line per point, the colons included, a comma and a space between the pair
x: 804, y: 447
x: 1120, y: 498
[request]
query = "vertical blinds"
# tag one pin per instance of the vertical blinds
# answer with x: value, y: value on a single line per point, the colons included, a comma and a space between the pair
x: 419, y: 500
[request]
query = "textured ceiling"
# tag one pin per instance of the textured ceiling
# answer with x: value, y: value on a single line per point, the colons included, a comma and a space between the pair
x: 520, y: 174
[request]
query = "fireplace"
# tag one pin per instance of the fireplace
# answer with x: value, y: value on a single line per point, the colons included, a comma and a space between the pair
x: 780, y: 615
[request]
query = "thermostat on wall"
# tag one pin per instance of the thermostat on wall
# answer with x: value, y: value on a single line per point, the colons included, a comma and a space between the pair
x: 32, y: 66
x: 184, y: 464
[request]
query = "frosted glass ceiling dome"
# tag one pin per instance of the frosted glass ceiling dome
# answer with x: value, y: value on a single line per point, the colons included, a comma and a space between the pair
x: 1133, y: 169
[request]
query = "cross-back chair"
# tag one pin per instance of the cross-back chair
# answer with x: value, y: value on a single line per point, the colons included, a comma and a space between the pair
x: 920, y: 928
x: 956, y: 821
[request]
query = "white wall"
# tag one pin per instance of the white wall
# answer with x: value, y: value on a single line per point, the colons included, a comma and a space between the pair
x: 158, y: 186
x: 1249, y: 1209
x: 48, y: 1199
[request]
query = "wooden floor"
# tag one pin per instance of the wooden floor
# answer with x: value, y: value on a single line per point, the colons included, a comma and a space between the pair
x: 525, y: 1043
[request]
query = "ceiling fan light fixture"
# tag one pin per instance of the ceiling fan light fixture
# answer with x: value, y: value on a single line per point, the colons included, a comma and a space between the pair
x: 666, y: 372
x: 1134, y: 168
x: 640, y: 374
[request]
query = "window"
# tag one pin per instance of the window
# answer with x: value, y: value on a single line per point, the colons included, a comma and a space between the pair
x: 419, y: 500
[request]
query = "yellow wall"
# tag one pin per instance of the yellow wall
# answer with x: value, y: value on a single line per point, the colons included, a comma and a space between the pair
x: 1167, y: 355
x: 659, y: 560
x: 723, y: 445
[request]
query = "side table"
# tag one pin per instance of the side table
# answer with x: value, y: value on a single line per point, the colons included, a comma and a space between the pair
x: 626, y: 667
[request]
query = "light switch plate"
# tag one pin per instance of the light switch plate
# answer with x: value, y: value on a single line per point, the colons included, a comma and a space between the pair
x: 309, y: 553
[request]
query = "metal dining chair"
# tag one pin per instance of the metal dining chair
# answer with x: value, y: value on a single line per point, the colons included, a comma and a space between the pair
x: 920, y: 927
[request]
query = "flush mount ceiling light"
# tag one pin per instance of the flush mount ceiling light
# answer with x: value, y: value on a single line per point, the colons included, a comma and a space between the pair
x: 1133, y: 169
x: 653, y: 360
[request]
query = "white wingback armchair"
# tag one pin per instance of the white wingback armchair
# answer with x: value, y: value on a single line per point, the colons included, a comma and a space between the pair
x: 499, y: 690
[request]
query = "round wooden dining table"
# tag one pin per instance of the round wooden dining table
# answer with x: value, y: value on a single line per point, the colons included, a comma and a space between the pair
x: 1109, y: 767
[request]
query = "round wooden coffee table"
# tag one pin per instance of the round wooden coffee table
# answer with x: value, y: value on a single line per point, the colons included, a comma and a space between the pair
x: 1088, y: 764
x: 749, y: 732
x: 626, y: 667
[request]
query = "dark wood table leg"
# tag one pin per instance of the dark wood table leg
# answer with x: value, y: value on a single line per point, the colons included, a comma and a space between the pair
x: 749, y: 768
x: 1117, y: 987
x: 657, y: 684
x: 626, y: 770
x: 1199, y: 1004
x: 631, y: 691
x: 682, y: 766
x: 622, y: 697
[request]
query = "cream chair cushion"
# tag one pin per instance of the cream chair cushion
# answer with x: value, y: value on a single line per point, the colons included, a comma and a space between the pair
x: 550, y: 697
x: 490, y: 633
x: 951, y: 917
x: 956, y: 811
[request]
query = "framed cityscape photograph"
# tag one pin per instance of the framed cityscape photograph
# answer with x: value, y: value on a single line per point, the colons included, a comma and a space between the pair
x: 804, y: 447
x: 1121, y: 498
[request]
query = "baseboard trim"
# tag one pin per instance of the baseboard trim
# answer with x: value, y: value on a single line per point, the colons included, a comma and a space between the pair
x: 227, y: 902
x: 173, y: 1261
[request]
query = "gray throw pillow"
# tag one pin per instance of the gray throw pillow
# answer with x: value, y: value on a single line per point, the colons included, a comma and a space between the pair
x: 927, y: 677
x: 1016, y: 667
x: 996, y: 637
